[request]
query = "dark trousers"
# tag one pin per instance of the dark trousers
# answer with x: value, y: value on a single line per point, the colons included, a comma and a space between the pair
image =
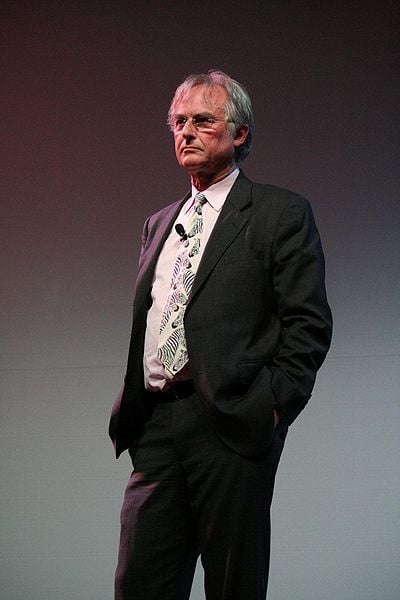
x: 190, y: 495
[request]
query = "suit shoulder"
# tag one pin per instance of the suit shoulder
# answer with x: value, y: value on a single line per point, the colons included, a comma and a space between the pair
x: 276, y: 201
x: 266, y: 192
x: 274, y: 193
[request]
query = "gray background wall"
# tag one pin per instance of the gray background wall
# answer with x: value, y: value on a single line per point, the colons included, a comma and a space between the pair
x: 85, y: 157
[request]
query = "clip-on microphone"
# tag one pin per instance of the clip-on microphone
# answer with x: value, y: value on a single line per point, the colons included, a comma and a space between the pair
x: 180, y: 230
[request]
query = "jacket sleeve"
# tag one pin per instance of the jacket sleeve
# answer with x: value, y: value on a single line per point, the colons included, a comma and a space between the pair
x: 303, y: 310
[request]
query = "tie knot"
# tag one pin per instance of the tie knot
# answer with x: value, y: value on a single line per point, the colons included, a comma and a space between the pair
x: 199, y: 199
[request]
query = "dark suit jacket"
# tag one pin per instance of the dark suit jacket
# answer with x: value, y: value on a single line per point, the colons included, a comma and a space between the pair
x: 257, y: 323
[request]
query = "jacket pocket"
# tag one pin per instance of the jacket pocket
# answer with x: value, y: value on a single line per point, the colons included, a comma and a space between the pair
x: 243, y: 257
x: 248, y: 371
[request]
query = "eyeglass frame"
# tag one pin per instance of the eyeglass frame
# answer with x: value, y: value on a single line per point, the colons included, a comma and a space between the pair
x: 209, y: 126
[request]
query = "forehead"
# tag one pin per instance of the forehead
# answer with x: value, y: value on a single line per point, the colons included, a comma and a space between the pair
x: 201, y: 98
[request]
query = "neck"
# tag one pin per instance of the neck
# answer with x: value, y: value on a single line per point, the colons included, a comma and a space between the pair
x: 202, y: 181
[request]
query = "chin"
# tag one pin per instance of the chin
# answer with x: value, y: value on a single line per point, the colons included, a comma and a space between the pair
x: 190, y: 165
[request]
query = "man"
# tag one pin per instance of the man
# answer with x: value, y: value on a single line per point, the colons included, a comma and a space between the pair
x: 230, y: 324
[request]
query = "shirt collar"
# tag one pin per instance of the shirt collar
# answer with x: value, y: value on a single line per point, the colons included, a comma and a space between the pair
x: 217, y: 192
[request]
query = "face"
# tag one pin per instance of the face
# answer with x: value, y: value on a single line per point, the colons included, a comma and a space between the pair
x: 206, y: 155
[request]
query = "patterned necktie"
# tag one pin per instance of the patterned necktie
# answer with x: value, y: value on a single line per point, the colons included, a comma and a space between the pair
x: 172, y: 350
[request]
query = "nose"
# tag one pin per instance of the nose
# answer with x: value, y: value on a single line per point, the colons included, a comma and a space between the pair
x: 188, y: 129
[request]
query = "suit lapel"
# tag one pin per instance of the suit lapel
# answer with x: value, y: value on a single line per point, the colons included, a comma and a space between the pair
x: 157, y: 236
x: 232, y: 219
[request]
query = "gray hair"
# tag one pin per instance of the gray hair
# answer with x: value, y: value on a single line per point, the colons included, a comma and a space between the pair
x: 238, y: 110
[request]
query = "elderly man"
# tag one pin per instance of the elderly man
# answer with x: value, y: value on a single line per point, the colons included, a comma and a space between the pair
x: 230, y: 325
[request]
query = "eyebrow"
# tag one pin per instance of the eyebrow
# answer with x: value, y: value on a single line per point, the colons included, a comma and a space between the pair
x: 200, y: 114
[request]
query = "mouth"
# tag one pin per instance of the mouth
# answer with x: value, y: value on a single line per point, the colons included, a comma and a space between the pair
x: 189, y: 149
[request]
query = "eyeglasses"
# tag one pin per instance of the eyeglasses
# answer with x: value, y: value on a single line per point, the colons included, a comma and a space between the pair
x: 200, y: 122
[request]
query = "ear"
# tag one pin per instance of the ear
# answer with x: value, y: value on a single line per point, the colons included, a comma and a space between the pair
x: 240, y: 136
